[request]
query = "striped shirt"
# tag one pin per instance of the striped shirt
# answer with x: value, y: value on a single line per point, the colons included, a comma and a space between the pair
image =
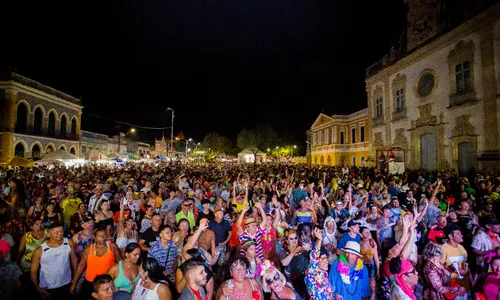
x: 165, y: 257
x: 245, y: 237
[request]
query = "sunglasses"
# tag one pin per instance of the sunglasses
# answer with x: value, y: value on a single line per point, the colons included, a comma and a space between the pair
x: 292, y: 238
x: 411, y: 272
x: 187, y: 205
x: 275, y: 278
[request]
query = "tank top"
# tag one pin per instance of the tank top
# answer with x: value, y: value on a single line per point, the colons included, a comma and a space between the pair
x: 55, y: 270
x: 82, y: 243
x: 297, y: 296
x: 97, y: 265
x: 31, y: 245
x: 142, y: 293
x: 122, y: 283
x: 303, y: 217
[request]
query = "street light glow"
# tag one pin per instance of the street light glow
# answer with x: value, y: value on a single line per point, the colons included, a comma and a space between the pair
x: 132, y: 130
x: 190, y: 140
x: 295, y: 146
x: 276, y: 147
x: 268, y: 149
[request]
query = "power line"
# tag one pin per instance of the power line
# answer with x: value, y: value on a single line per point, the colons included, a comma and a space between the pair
x: 129, y: 124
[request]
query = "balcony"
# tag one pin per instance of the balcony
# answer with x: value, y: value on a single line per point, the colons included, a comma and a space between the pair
x: 462, y: 98
x: 399, y: 114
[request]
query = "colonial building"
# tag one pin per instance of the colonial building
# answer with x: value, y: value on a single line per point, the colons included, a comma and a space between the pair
x: 144, y: 150
x: 435, y: 96
x: 93, y: 145
x: 36, y: 119
x: 339, y: 139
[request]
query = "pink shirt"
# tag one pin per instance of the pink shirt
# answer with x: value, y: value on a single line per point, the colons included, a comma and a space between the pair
x: 491, y: 287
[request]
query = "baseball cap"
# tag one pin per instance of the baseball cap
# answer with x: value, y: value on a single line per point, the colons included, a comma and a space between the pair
x: 352, y: 223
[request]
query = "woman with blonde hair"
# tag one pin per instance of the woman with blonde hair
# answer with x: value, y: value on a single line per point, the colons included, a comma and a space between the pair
x: 273, y: 281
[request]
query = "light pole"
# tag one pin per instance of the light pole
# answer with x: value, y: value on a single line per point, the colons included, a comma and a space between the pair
x: 120, y: 136
x: 171, y: 131
x: 294, y: 147
x: 187, y: 142
x: 197, y: 146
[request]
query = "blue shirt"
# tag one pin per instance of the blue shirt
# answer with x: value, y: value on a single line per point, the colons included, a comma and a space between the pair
x: 357, y: 290
x: 346, y: 237
x: 165, y: 257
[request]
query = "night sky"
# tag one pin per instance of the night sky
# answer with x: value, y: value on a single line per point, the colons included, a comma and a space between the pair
x: 222, y: 65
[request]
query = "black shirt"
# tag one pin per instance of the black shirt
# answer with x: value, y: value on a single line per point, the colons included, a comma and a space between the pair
x: 221, y: 230
x: 150, y: 237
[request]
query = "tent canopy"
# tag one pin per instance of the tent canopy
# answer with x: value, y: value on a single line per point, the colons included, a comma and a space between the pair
x: 18, y: 161
x: 60, y: 155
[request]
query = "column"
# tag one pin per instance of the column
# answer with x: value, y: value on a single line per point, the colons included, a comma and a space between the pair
x: 8, y: 126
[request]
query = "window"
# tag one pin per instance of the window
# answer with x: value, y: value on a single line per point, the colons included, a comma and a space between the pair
x: 400, y: 100
x: 353, y: 135
x: 463, y: 77
x: 19, y: 150
x: 52, y: 124
x: 341, y: 137
x: 64, y: 124
x: 362, y: 134
x: 378, y: 108
x: 84, y: 149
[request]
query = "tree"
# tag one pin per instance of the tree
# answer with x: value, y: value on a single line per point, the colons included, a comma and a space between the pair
x: 217, y: 144
x: 256, y: 139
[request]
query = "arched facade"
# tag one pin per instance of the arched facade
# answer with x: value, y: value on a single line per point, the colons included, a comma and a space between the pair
x: 20, y: 149
x: 38, y: 117
x: 63, y: 147
x: 51, y: 126
x: 36, y: 150
x: 72, y: 150
x: 23, y: 110
x: 50, y: 148
x: 63, y: 130
x: 74, y: 128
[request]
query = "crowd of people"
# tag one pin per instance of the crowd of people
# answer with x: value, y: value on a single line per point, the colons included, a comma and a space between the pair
x: 240, y: 232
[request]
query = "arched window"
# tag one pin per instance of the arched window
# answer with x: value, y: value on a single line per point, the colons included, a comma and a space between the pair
x: 64, y: 126
x: 342, y: 161
x: 315, y: 160
x: 62, y: 148
x: 19, y: 150
x: 49, y: 149
x: 72, y: 150
x: 73, y: 127
x: 38, y: 122
x: 329, y: 160
x: 35, y: 151
x: 22, y: 118
x: 52, y: 124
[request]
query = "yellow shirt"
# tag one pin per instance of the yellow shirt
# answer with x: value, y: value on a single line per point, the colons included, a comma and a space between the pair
x: 239, y: 207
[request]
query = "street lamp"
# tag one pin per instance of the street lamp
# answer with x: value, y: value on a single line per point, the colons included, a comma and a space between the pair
x: 294, y: 147
x: 197, y: 146
x: 132, y: 130
x: 171, y: 130
x: 187, y: 142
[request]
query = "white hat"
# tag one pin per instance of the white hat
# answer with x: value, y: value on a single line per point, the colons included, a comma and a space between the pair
x: 352, y: 247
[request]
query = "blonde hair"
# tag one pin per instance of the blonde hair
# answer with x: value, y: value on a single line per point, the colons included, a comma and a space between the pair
x: 271, y: 272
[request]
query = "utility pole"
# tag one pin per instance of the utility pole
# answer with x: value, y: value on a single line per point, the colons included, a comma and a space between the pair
x: 171, y: 132
x: 119, y: 137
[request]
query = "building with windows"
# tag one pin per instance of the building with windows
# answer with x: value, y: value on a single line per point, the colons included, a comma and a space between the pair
x: 434, y: 98
x: 36, y: 119
x: 93, y: 145
x: 339, y: 140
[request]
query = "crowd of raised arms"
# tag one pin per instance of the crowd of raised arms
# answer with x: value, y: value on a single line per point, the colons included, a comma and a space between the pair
x: 241, y: 232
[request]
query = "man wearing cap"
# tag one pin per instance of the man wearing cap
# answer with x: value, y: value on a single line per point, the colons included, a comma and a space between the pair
x: 222, y: 231
x: 339, y: 213
x: 396, y: 210
x: 349, y: 276
x: 69, y: 206
x: 351, y: 235
x: 252, y: 231
x: 485, y: 243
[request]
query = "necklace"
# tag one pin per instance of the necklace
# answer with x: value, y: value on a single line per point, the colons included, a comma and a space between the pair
x: 355, y: 290
x: 241, y: 296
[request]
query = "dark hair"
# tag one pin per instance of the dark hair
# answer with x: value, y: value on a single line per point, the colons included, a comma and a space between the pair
x: 190, y: 264
x: 195, y: 254
x: 450, y: 229
x: 184, y: 220
x: 163, y: 227
x: 386, y: 207
x: 100, y: 280
x: 387, y: 245
x: 100, y: 226
x: 131, y: 247
x: 362, y: 228
x: 54, y: 225
x: 323, y: 251
x: 395, y: 265
x: 32, y: 221
x: 155, y: 271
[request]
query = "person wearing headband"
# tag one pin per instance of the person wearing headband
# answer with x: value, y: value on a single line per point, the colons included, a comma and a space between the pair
x: 403, y: 278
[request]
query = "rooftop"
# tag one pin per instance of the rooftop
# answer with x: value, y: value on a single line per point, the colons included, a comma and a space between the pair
x: 12, y: 76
